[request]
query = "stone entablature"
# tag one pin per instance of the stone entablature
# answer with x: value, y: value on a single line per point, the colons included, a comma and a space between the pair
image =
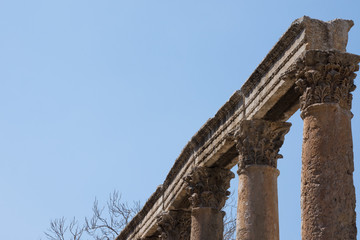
x: 268, y: 94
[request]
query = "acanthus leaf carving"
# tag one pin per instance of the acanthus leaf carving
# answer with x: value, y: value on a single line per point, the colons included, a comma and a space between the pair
x: 327, y: 77
x: 207, y: 187
x: 259, y: 141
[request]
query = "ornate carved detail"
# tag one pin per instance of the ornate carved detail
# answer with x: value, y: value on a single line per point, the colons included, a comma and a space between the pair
x: 326, y: 77
x: 174, y: 225
x: 207, y: 187
x: 166, y: 225
x: 259, y: 141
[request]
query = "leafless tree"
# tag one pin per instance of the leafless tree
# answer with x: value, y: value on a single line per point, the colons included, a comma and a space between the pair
x: 107, y: 221
x: 105, y: 224
x: 108, y: 225
x: 59, y: 230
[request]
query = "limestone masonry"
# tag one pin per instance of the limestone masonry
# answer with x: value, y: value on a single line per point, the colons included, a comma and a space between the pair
x: 309, y: 69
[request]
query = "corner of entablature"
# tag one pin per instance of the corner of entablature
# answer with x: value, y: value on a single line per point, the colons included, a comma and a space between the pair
x: 323, y: 35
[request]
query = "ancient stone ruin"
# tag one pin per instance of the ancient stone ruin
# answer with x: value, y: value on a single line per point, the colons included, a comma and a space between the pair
x: 308, y: 68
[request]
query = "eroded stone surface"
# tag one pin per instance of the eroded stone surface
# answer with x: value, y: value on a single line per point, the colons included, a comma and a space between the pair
x: 327, y: 35
x: 327, y: 190
x: 325, y: 80
x: 174, y: 225
x: 207, y: 188
x: 259, y: 141
x: 258, y: 144
x: 257, y: 211
x: 327, y: 77
x: 207, y: 223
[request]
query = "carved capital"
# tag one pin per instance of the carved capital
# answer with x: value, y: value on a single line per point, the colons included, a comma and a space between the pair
x: 207, y: 187
x: 259, y: 142
x: 174, y: 225
x: 326, y: 77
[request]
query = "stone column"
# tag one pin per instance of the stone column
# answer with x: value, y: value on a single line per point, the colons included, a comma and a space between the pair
x: 258, y: 144
x: 174, y: 225
x: 325, y: 81
x: 207, y: 188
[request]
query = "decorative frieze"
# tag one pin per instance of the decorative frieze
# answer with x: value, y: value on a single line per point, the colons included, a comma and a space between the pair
x: 174, y: 225
x: 326, y: 77
x: 258, y: 142
x: 207, y: 187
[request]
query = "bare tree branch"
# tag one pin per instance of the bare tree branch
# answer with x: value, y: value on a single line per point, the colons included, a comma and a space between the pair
x: 58, y: 230
x: 107, y: 222
x: 230, y: 218
x: 75, y: 230
x: 118, y: 214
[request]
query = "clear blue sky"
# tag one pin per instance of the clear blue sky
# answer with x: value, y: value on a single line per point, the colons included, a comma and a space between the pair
x: 103, y: 95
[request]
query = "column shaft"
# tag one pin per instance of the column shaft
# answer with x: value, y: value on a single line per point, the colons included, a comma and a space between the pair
x: 326, y: 80
x: 258, y: 216
x: 327, y: 190
x: 206, y: 223
x: 207, y: 188
x: 258, y: 144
